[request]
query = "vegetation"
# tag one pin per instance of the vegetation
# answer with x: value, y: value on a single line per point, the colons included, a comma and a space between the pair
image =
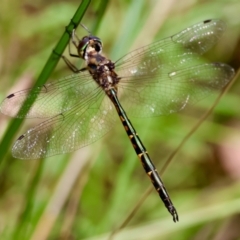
x: 89, y: 193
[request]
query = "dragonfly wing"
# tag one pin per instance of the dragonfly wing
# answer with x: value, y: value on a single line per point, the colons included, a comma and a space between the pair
x: 174, y: 52
x: 172, y: 92
x: 51, y: 99
x: 68, y: 131
x: 165, y: 76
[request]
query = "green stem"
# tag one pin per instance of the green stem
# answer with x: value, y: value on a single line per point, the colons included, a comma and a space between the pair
x: 24, y: 219
x: 43, y: 77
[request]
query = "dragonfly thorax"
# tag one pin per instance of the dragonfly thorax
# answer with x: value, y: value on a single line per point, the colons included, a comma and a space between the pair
x: 101, y: 68
x: 102, y: 71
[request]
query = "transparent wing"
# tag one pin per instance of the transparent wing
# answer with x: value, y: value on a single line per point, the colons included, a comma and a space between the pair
x: 163, y: 77
x: 160, y: 78
x: 175, y: 90
x: 85, y: 123
x: 54, y: 98
x: 174, y: 52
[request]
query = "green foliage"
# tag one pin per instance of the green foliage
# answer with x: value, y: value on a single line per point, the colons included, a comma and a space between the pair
x: 90, y: 192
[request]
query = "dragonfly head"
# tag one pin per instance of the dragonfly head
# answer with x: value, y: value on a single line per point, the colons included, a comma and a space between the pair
x: 89, y: 44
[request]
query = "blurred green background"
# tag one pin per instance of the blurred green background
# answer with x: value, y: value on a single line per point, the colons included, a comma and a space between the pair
x: 87, y: 194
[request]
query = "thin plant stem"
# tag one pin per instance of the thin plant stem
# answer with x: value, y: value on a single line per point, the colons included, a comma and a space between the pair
x: 43, y: 77
x: 51, y: 63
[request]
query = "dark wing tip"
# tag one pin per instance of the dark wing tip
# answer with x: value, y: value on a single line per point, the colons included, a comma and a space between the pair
x: 11, y: 95
x: 21, y: 137
x: 207, y: 21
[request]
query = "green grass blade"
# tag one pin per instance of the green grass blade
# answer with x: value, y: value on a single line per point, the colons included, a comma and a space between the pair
x: 25, y: 218
x: 101, y: 11
x: 44, y: 75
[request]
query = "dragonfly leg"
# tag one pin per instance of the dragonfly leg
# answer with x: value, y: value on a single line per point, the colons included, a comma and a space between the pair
x: 74, y: 40
x: 71, y: 66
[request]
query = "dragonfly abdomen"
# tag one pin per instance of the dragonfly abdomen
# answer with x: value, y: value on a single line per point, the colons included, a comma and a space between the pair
x: 143, y: 155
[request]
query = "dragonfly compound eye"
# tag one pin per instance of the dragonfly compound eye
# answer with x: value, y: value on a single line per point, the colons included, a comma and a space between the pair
x: 89, y: 44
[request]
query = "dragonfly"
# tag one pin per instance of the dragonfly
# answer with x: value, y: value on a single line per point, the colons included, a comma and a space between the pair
x: 158, y: 79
